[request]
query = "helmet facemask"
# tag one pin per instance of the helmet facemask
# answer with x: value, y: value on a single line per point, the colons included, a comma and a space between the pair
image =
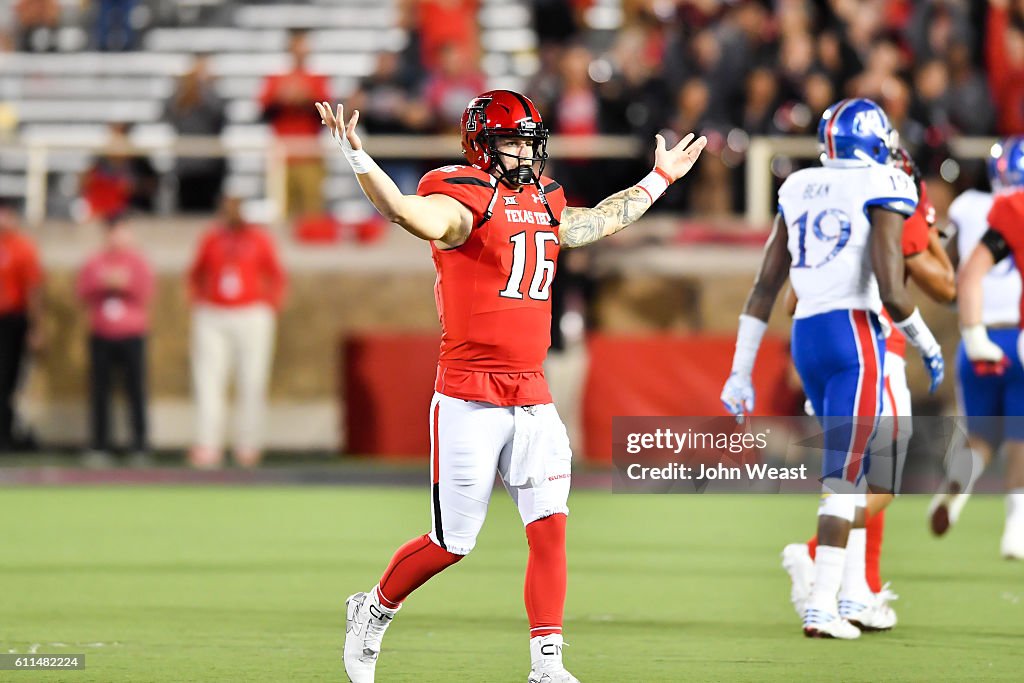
x: 521, y: 174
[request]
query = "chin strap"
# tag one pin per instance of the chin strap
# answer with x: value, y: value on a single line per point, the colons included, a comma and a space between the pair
x: 552, y: 221
x: 489, y: 211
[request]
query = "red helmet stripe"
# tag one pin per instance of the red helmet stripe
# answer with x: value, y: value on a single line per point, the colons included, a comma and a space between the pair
x: 523, y: 101
x: 829, y: 137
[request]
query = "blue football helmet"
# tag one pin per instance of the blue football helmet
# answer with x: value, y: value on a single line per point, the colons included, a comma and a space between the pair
x: 857, y: 130
x: 1006, y: 163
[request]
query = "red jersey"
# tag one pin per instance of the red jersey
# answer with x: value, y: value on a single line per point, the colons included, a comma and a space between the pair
x: 237, y: 267
x: 493, y: 292
x: 1007, y: 218
x: 916, y: 234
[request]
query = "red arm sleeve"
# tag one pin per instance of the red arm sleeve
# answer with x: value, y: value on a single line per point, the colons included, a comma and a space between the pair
x: 915, y: 234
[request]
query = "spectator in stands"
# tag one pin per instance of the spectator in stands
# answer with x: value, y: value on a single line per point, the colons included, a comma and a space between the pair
x: 118, y: 180
x: 456, y: 82
x: 38, y: 21
x: 195, y: 108
x: 440, y: 23
x: 20, y: 316
x: 237, y: 285
x: 287, y: 101
x: 969, y: 99
x: 116, y: 285
x: 1004, y: 47
x: 388, y: 104
x: 114, y: 29
x: 757, y: 117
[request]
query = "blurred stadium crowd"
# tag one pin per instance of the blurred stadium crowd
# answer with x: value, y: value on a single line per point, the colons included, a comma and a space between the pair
x: 112, y: 74
x: 730, y: 69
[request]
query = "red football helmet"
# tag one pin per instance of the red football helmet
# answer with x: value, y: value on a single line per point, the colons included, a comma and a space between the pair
x: 503, y: 113
x: 903, y: 161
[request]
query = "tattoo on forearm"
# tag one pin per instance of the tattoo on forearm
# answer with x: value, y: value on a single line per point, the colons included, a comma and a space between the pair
x: 583, y: 225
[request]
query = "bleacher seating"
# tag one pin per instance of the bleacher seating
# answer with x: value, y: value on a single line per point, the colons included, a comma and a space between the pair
x: 68, y: 97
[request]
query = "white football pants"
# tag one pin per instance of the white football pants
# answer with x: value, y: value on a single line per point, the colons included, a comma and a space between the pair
x: 470, y: 441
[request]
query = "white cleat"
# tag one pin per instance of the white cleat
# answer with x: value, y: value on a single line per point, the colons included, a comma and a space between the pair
x: 944, y: 511
x: 365, y: 623
x: 551, y: 675
x: 546, y: 656
x: 1012, y: 545
x: 876, y: 615
x: 820, y: 623
x: 796, y: 560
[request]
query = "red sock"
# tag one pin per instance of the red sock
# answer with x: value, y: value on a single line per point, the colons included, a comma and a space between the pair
x: 412, y: 566
x: 812, y: 546
x: 873, y: 555
x: 545, y: 575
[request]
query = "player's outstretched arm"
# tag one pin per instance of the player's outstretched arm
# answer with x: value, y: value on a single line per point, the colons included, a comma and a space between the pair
x: 582, y: 226
x: 932, y: 271
x: 435, y: 217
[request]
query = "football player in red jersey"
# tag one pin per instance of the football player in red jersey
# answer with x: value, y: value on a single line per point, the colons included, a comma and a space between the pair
x: 928, y: 265
x: 1004, y: 238
x: 495, y: 227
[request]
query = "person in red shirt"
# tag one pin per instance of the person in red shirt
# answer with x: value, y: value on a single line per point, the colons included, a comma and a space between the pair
x: 495, y: 228
x: 285, y: 100
x: 20, y: 307
x: 1004, y: 53
x: 236, y: 284
x: 1004, y: 238
x: 116, y: 285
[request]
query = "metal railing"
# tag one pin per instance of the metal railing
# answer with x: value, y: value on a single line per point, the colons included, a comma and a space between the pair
x: 759, y: 175
x: 276, y: 151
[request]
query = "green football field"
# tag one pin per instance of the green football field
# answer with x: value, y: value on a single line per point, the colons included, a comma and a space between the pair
x: 247, y: 584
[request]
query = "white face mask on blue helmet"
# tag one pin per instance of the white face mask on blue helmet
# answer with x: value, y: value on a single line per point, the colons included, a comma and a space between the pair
x: 856, y: 132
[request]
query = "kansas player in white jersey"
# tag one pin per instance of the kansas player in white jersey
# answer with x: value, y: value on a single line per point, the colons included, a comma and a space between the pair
x: 838, y: 237
x: 987, y: 392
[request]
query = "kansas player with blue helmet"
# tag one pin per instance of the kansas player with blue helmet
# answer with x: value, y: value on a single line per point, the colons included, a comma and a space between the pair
x: 838, y: 236
x: 990, y: 372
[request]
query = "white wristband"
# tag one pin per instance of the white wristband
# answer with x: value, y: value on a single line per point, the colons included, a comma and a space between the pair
x: 917, y: 332
x: 359, y: 160
x: 655, y: 183
x: 748, y: 341
x: 978, y: 345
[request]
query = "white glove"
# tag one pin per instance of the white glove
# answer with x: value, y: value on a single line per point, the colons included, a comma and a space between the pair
x: 738, y: 394
x: 979, y: 347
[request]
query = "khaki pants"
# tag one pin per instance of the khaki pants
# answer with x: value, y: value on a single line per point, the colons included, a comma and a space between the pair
x: 226, y: 339
x: 305, y: 192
